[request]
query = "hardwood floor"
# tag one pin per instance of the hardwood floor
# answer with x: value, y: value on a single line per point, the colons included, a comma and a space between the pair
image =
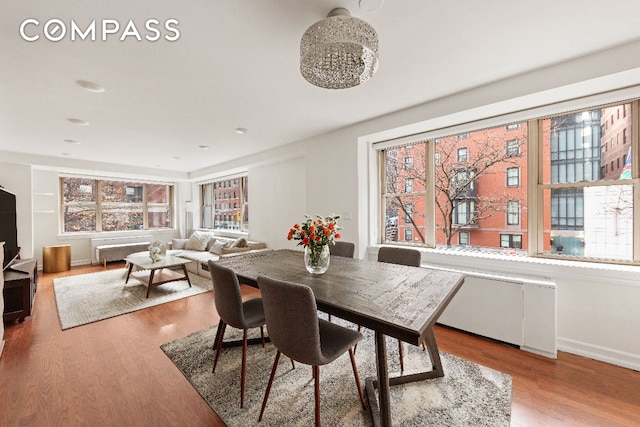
x: 113, y: 372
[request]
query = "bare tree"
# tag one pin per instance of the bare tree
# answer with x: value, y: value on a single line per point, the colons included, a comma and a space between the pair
x: 458, y: 200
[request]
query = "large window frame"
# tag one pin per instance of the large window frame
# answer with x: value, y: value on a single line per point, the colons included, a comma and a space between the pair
x: 532, y: 179
x: 225, y: 204
x: 101, y: 209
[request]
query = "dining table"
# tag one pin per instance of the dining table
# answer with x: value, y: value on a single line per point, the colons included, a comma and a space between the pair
x: 393, y: 300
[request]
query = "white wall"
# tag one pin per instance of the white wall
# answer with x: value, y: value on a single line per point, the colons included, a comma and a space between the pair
x: 16, y: 178
x: 275, y: 193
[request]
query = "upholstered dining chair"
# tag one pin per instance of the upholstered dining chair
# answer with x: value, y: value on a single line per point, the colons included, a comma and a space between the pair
x: 343, y: 249
x: 295, y: 329
x: 402, y: 256
x: 235, y: 313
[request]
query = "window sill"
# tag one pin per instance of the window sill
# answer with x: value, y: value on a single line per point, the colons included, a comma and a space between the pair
x: 534, y: 267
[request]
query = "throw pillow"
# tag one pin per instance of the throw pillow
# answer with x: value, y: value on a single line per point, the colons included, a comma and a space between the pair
x: 217, y: 247
x: 197, y: 242
x: 178, y: 243
x: 210, y: 243
x: 240, y: 242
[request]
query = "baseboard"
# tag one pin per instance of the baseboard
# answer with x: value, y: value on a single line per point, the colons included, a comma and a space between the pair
x: 603, y: 354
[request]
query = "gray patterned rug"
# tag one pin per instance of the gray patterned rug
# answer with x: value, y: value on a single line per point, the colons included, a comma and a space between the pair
x: 87, y: 298
x: 468, y: 395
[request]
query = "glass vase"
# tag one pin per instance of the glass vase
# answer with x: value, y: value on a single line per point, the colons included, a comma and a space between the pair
x: 316, y: 259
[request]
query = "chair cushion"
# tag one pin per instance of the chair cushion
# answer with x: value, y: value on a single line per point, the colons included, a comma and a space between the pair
x: 335, y: 340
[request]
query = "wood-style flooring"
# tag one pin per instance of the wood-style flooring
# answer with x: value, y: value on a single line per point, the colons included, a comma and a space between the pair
x: 113, y: 373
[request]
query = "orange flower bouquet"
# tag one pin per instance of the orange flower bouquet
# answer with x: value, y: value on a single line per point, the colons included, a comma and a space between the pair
x: 315, y: 235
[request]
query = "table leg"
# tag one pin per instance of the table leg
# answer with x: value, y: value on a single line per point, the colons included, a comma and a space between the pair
x: 186, y: 274
x: 128, y: 273
x: 434, y: 354
x: 383, y: 380
x: 150, y: 282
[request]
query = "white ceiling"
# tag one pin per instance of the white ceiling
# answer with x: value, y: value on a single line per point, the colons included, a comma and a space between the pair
x: 236, y: 65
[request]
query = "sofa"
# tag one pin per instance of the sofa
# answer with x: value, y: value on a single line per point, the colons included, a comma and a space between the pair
x: 203, y: 246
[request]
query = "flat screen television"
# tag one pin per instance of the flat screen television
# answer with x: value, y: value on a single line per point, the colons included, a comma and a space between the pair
x: 8, y: 227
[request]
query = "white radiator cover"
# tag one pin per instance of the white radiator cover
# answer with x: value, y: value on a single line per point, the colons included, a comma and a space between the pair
x: 517, y: 311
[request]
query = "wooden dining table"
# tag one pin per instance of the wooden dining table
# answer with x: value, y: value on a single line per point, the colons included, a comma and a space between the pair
x: 393, y: 300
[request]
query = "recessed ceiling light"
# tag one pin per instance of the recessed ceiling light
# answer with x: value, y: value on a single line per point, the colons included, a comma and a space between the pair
x: 78, y: 122
x: 71, y: 141
x: 204, y: 147
x: 370, y: 5
x: 90, y: 86
x: 241, y: 131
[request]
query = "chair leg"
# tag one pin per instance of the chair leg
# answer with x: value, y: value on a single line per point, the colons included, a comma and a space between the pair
x: 243, y: 375
x: 293, y: 364
x: 262, y: 335
x: 357, y: 376
x: 401, y: 356
x: 222, y: 326
x: 355, y: 347
x: 266, y: 394
x: 316, y: 376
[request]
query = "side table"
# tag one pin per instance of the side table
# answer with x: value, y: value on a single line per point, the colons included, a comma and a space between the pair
x: 56, y: 258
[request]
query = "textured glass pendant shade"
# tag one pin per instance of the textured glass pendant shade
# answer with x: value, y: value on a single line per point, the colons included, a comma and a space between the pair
x: 339, y: 52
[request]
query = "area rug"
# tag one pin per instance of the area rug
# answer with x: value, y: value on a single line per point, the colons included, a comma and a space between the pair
x: 87, y: 298
x: 468, y: 394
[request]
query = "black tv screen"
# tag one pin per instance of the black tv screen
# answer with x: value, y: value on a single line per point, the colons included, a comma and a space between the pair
x: 8, y: 227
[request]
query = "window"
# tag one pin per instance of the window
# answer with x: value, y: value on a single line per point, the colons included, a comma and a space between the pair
x: 464, y: 213
x: 225, y: 204
x: 513, y: 147
x: 463, y: 155
x: 513, y: 212
x: 581, y: 186
x: 513, y: 177
x: 511, y: 241
x: 513, y: 126
x: 463, y: 238
x: 408, y: 162
x: 403, y: 209
x: 408, y: 211
x: 408, y: 235
x: 101, y: 205
x: 591, y: 204
x: 465, y: 199
x: 408, y: 185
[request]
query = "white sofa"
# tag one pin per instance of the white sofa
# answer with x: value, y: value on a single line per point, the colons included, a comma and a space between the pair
x: 202, y: 247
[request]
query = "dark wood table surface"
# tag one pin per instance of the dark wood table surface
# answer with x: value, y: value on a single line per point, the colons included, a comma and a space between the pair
x: 393, y: 300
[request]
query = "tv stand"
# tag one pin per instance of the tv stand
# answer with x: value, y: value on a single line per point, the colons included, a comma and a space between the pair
x: 20, y: 283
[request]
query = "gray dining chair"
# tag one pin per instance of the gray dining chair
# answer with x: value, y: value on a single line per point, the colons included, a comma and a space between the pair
x: 297, y: 332
x: 401, y: 256
x: 235, y: 313
x: 343, y: 249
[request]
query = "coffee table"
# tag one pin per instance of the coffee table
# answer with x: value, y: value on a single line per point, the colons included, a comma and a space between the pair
x: 156, y: 273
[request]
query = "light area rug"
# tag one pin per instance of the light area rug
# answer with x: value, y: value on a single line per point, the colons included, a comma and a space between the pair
x: 88, y: 298
x: 468, y: 394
